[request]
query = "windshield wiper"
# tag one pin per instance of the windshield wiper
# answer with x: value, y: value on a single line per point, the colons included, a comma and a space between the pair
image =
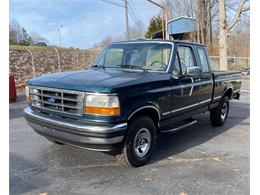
x: 132, y: 66
x: 98, y: 66
x: 129, y: 66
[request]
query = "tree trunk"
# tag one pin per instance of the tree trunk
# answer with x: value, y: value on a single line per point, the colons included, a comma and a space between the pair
x: 202, y: 20
x: 223, y: 49
x: 209, y: 23
x: 199, y: 12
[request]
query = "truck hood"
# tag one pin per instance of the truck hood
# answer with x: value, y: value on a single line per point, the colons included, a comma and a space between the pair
x: 94, y: 80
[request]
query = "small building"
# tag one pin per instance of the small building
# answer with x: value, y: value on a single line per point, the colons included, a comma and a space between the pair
x: 181, y: 28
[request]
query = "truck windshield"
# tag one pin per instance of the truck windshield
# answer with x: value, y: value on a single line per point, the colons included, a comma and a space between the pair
x: 145, y: 56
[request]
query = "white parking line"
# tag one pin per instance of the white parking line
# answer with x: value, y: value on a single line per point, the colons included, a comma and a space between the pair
x: 244, y: 91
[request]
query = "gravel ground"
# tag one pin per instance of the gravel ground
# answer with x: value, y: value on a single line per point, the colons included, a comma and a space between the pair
x: 198, y: 160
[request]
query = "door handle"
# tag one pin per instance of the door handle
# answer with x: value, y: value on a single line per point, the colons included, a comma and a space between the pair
x: 197, y: 80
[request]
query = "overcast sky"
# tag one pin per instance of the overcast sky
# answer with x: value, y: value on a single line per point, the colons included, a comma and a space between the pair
x: 85, y: 22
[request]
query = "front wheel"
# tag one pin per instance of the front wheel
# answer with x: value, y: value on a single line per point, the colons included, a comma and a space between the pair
x: 219, y: 114
x: 139, y: 142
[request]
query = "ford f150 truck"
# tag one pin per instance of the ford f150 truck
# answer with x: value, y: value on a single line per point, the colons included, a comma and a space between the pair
x: 134, y: 91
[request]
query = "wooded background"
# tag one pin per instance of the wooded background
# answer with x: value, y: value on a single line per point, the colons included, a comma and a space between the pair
x: 224, y: 27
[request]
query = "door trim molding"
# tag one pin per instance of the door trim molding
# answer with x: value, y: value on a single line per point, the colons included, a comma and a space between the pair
x: 186, y: 107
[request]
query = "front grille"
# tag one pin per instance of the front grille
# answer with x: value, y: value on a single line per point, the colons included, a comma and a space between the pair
x: 58, y: 100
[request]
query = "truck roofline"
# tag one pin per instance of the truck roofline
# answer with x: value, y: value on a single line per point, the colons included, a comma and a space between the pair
x: 159, y: 41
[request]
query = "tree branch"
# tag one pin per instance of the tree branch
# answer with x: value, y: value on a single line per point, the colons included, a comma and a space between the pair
x: 213, y: 3
x: 245, y: 9
x: 240, y: 10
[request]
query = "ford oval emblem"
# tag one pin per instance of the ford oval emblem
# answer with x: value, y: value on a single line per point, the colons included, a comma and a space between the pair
x: 51, y: 100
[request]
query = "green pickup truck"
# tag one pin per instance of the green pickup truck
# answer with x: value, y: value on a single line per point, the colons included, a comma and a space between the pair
x: 134, y: 91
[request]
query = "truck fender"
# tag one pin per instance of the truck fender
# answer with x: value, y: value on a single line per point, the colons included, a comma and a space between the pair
x: 143, y: 107
x: 228, y: 91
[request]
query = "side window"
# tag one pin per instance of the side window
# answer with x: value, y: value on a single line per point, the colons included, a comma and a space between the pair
x: 114, y: 57
x: 203, y: 60
x: 176, y: 66
x: 158, y: 58
x: 186, y: 57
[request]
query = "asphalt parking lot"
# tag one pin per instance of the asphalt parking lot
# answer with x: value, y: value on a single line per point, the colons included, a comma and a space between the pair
x: 197, y: 160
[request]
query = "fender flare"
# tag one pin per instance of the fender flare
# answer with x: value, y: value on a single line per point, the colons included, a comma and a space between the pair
x: 144, y: 107
x: 228, y: 87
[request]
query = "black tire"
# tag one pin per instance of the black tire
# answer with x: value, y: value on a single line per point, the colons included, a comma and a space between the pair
x: 217, y: 116
x: 131, y: 155
x: 55, y: 142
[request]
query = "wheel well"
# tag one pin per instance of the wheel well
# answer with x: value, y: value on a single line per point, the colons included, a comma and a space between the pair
x: 150, y: 112
x: 228, y: 93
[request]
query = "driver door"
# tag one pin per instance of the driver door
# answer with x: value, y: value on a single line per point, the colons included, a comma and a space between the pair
x: 185, y: 89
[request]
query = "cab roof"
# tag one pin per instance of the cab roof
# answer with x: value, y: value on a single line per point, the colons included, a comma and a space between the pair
x: 159, y: 41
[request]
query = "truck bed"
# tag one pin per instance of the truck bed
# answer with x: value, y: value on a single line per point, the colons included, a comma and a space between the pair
x: 225, y: 79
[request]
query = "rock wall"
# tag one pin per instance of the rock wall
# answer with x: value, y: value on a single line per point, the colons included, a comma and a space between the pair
x: 46, y: 60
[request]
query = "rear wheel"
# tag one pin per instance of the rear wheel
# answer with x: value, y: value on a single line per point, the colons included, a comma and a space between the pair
x: 139, y: 142
x: 219, y: 114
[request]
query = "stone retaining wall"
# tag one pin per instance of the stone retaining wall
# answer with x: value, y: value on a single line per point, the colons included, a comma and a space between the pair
x: 46, y: 60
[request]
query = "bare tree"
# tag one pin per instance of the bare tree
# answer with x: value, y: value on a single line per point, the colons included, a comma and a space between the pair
x: 176, y: 8
x: 104, y: 42
x: 15, y: 31
x: 201, y: 15
x: 36, y: 37
x: 204, y: 10
x: 211, y: 16
x: 18, y: 35
x: 137, y: 30
x: 225, y: 27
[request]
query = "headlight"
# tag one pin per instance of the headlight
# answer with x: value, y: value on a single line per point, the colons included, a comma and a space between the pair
x: 27, y: 94
x: 104, y: 105
x: 35, y: 91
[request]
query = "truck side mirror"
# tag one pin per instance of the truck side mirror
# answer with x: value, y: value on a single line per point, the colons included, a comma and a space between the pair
x: 193, y: 71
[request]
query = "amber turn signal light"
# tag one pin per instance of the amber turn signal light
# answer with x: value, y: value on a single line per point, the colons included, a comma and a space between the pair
x: 27, y: 98
x: 102, y: 111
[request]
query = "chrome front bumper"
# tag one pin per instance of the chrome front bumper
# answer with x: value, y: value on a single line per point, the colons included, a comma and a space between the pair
x: 101, y: 137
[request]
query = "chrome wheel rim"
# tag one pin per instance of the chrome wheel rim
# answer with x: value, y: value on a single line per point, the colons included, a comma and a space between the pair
x: 142, y: 142
x: 224, y: 111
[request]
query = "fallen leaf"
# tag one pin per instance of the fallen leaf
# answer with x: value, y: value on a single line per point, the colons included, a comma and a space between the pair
x: 219, y: 160
x: 171, y: 158
x: 216, y: 158
x: 146, y: 179
x: 43, y: 193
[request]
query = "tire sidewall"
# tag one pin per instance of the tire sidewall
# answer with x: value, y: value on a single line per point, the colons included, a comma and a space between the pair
x: 225, y: 100
x: 215, y: 114
x: 134, y: 127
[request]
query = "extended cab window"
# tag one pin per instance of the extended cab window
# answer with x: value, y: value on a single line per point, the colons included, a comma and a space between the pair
x: 203, y: 60
x: 186, y: 57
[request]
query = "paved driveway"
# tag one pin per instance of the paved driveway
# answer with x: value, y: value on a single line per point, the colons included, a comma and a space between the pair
x: 197, y: 160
